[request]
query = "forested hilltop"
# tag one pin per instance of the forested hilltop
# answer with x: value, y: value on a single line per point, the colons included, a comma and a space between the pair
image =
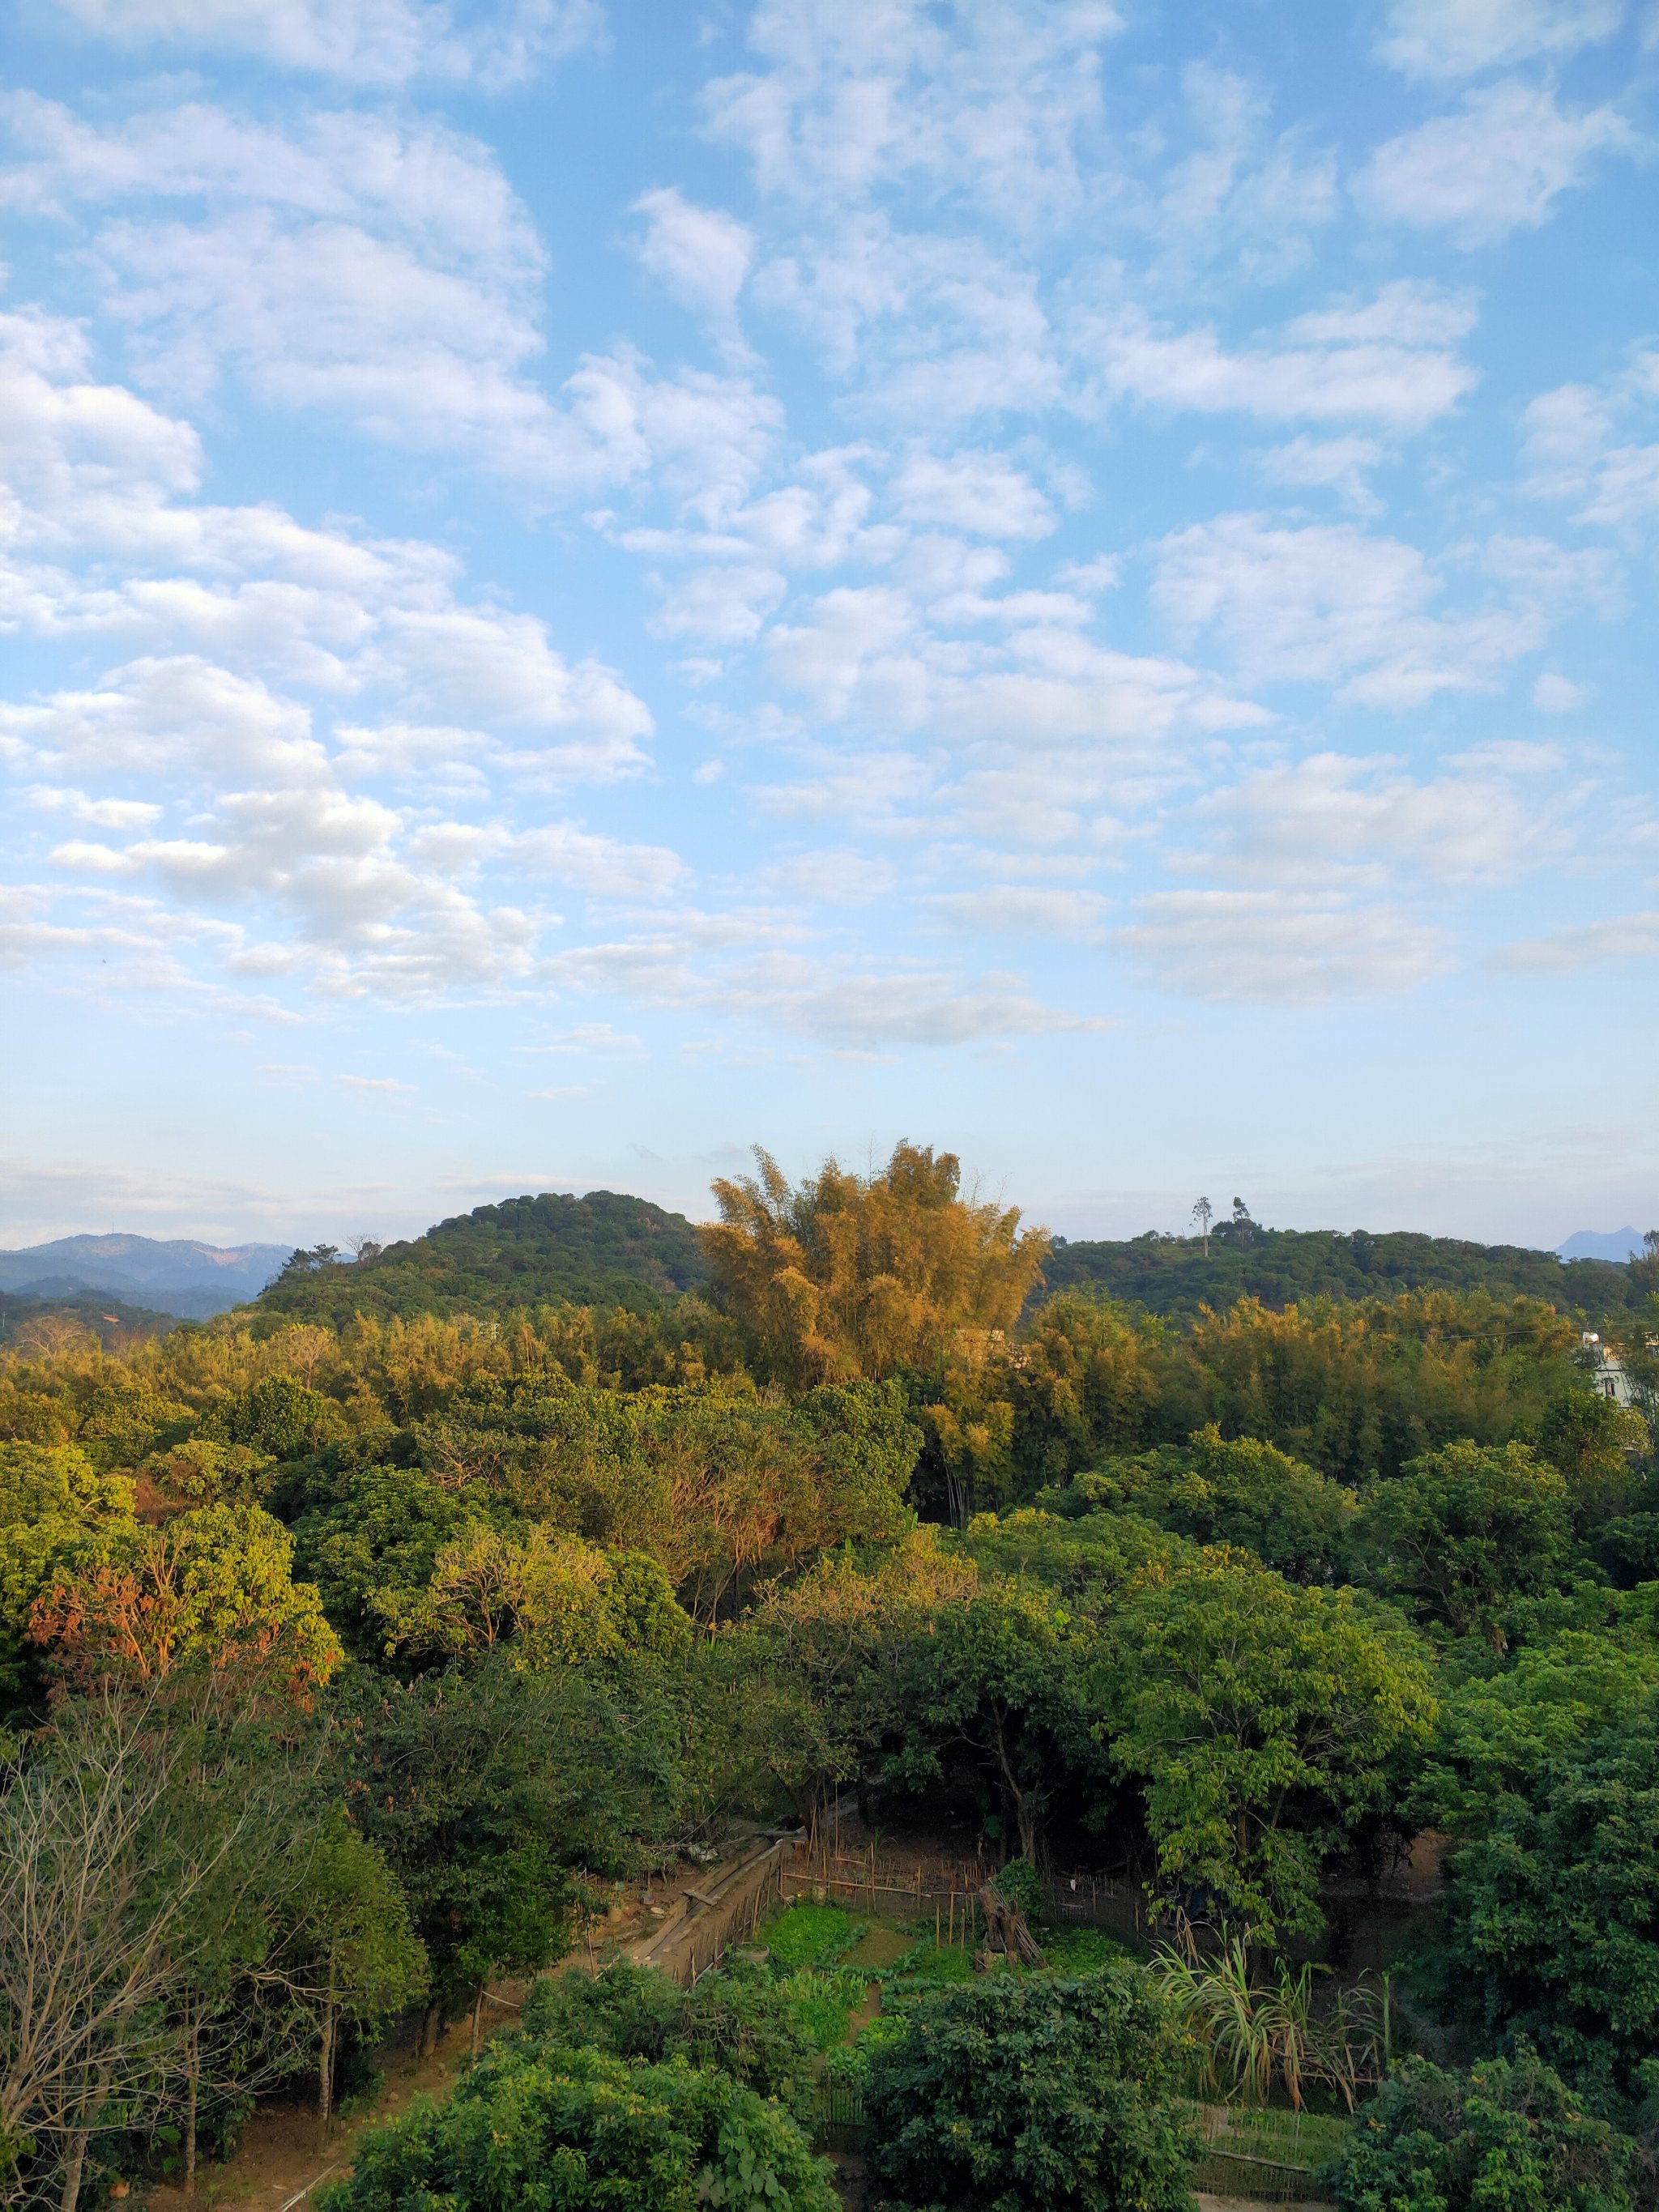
x: 1178, y: 1275
x: 604, y: 1249
x: 608, y: 1248
x: 351, y: 1658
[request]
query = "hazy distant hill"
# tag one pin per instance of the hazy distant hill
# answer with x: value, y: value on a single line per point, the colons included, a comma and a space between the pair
x: 176, y: 1275
x: 1171, y: 1275
x: 602, y: 1249
x: 1601, y: 1244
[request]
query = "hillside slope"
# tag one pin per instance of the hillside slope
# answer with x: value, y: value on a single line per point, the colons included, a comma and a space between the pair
x: 604, y: 1249
x: 1171, y: 1275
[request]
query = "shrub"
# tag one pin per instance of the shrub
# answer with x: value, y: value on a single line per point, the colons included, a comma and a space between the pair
x: 537, y: 2124
x: 1025, y: 2092
x: 629, y: 2011
x: 743, y: 2022
x: 1021, y: 1884
x: 1506, y: 2137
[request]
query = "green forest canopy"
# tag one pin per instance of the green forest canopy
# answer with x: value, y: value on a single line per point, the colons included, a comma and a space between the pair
x: 396, y: 1636
x: 610, y: 1249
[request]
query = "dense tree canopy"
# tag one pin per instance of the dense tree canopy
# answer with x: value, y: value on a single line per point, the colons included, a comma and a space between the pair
x: 445, y: 1607
x: 1046, y: 2096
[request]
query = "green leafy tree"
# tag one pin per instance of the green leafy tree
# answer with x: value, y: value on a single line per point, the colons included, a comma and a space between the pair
x: 628, y: 2010
x: 1041, y: 2093
x: 1001, y: 1679
x: 1507, y: 2135
x: 343, y: 1952
x: 1594, y: 1443
x: 1497, y: 1734
x: 1464, y: 1530
x: 1238, y: 1491
x: 371, y: 1550
x: 1265, y: 1723
x: 490, y: 1793
x: 280, y: 1416
x: 1553, y: 1916
x: 565, y: 2130
x: 809, y: 1679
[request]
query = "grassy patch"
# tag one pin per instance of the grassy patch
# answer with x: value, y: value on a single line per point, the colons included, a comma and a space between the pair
x: 807, y: 1934
x: 824, y: 2003
x: 1081, y: 1950
x: 928, y: 1965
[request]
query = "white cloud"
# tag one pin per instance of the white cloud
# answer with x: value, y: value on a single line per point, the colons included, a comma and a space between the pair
x: 1283, y: 946
x: 1389, y: 362
x: 1456, y: 37
x: 157, y: 715
x: 606, y: 868
x: 837, y: 877
x: 502, y: 669
x: 982, y: 493
x: 701, y: 256
x: 725, y: 606
x: 864, y: 656
x: 1333, y: 818
x: 1328, y: 602
x: 1557, y: 695
x: 1571, y: 450
x: 1495, y: 166
x: 1582, y: 944
x: 982, y: 97
x: 372, y: 42
x: 1240, y: 192
x: 1340, y: 465
x: 1022, y: 911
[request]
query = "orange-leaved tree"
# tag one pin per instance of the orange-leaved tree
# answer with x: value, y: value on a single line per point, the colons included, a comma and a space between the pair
x: 131, y: 1603
x: 848, y: 1278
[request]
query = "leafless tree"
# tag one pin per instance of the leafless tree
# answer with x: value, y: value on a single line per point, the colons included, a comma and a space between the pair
x: 97, y: 1887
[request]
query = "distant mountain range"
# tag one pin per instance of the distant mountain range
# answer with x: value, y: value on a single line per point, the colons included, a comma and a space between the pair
x: 173, y: 1275
x: 1601, y: 1244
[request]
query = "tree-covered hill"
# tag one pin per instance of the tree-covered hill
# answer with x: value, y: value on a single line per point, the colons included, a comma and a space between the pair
x: 1172, y: 1275
x: 36, y: 1320
x: 605, y: 1249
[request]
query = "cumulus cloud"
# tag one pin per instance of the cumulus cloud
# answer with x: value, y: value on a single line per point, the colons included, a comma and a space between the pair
x: 1389, y: 360
x: 1457, y: 38
x: 221, y: 790
x: 701, y: 256
x: 1572, y: 447
x: 1330, y: 602
x: 979, y: 493
x: 1497, y: 166
x: 838, y: 876
x: 371, y: 42
x: 1272, y: 945
x: 1335, y: 818
x: 604, y: 866
x: 852, y: 97
x: 1339, y: 464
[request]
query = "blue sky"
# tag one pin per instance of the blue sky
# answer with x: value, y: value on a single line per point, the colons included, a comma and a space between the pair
x: 586, y: 586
